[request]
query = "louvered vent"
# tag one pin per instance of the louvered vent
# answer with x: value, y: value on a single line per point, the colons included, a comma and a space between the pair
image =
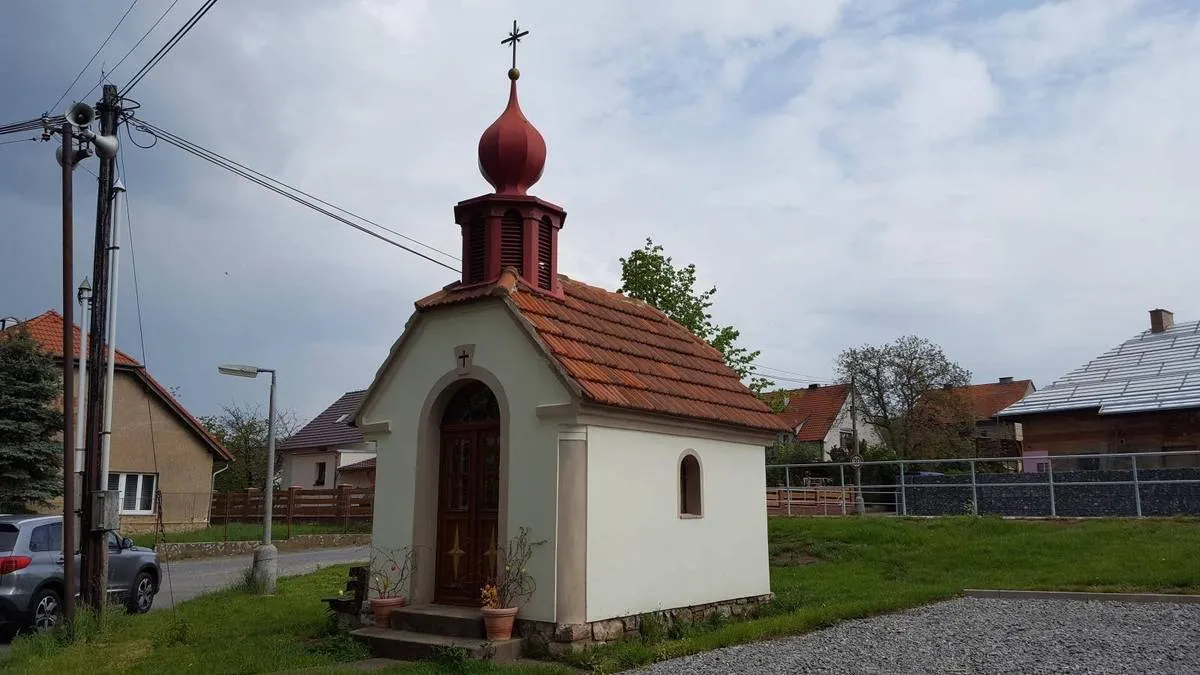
x: 512, y: 243
x: 545, y: 250
x: 476, y: 250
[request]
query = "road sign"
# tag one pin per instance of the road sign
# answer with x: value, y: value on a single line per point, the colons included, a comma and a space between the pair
x: 856, y: 461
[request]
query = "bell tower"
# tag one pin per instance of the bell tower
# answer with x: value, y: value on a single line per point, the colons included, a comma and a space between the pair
x: 509, y: 228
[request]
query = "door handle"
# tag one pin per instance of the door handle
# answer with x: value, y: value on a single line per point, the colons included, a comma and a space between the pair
x: 61, y: 561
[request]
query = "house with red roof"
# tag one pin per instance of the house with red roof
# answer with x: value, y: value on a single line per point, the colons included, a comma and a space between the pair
x: 975, y: 409
x: 329, y: 451
x: 517, y: 397
x: 157, y: 445
x: 823, y: 415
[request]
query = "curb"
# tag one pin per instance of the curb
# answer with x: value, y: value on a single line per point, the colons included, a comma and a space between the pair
x: 1179, y: 599
x: 178, y: 551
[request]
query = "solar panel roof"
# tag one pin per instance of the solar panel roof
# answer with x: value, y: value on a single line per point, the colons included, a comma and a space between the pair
x: 1151, y: 371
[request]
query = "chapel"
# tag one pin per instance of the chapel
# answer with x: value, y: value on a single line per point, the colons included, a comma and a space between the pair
x: 518, y: 397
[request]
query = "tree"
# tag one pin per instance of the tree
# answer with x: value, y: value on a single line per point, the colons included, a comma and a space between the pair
x: 907, y: 392
x: 651, y: 276
x: 243, y: 431
x: 30, y: 421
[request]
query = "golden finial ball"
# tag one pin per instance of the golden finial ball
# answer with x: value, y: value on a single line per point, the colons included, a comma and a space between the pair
x: 513, y: 74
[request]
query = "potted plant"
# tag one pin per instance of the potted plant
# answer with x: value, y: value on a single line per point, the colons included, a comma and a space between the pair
x: 511, y: 586
x: 389, y: 575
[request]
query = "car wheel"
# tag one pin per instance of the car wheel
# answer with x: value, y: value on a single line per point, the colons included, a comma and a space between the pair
x: 45, y: 609
x: 141, y: 593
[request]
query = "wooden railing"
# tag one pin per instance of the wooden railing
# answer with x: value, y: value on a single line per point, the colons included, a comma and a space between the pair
x: 808, y: 501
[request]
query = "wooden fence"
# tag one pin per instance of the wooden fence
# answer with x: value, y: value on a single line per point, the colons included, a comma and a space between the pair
x: 823, y: 501
x: 338, y: 506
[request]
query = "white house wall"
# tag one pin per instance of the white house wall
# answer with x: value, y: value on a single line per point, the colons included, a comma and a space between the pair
x: 833, y: 439
x: 505, y: 349
x: 300, y: 469
x: 641, y: 556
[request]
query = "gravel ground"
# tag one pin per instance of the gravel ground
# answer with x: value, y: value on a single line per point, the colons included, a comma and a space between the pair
x: 980, y: 636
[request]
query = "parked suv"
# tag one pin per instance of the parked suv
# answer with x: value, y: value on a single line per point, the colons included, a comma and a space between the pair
x: 31, y: 571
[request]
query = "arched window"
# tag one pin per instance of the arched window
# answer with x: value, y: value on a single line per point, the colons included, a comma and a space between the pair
x: 473, y: 402
x: 690, y: 487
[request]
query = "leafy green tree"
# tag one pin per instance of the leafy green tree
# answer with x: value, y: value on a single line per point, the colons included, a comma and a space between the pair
x: 907, y: 392
x: 243, y: 432
x: 652, y: 277
x: 30, y: 422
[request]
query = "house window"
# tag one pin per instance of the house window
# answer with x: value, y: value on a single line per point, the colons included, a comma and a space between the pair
x: 135, y: 490
x: 1043, y: 467
x: 320, y: 475
x: 690, y: 487
x: 846, y: 440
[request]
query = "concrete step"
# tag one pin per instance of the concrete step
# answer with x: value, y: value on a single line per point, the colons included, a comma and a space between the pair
x: 446, y: 620
x: 405, y: 645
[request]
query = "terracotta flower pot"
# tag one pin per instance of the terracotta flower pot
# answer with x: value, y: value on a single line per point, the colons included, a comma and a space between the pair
x: 499, y: 622
x: 382, y: 609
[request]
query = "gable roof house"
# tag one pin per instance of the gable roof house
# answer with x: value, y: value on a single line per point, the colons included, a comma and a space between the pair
x: 994, y: 436
x: 1141, y: 396
x: 322, y: 453
x: 157, y: 445
x: 821, y: 415
x: 517, y: 397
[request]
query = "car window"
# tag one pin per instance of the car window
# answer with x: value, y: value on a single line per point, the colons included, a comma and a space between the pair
x: 43, y: 538
x: 113, y: 541
x: 8, y: 536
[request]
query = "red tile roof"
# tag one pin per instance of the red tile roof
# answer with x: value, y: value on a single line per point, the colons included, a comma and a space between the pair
x: 813, y: 410
x: 986, y: 400
x: 624, y: 353
x: 46, y: 329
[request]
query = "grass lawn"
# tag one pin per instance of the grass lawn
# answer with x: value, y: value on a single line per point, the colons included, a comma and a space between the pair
x: 227, y: 632
x: 823, y: 571
x: 248, y: 532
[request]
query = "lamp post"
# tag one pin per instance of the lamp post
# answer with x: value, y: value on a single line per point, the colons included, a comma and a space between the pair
x: 265, y: 556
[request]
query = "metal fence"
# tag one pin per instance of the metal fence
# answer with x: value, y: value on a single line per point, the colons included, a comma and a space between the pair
x: 1134, y: 484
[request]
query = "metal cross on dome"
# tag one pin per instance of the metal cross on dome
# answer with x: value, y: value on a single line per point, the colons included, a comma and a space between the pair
x: 513, y: 38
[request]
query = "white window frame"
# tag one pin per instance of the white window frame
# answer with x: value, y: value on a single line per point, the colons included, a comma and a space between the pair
x: 140, y: 479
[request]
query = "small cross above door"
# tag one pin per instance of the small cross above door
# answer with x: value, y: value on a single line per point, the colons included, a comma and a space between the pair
x: 463, y: 356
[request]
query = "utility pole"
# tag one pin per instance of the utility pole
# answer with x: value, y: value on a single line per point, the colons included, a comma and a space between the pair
x: 859, y: 504
x: 96, y: 510
x: 68, y: 337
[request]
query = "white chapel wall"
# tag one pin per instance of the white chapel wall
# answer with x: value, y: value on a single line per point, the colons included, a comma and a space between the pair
x: 641, y: 556
x: 505, y: 350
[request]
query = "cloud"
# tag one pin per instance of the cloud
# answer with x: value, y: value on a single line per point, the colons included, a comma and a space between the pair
x: 1009, y: 180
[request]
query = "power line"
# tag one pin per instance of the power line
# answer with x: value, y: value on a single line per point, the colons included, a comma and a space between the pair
x: 153, y: 130
x: 19, y: 140
x: 781, y: 371
x: 136, y: 45
x: 137, y: 296
x: 166, y: 48
x: 35, y: 124
x: 97, y: 53
x: 273, y: 185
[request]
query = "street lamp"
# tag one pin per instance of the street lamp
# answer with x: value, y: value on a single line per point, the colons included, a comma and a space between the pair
x: 265, y: 562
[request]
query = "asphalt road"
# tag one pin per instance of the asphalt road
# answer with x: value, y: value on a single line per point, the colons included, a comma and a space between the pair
x: 192, y: 578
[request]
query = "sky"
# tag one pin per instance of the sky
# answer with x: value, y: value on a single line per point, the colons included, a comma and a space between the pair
x: 1006, y: 179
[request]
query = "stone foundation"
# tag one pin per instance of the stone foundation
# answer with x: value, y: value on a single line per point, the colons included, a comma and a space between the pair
x: 556, y: 638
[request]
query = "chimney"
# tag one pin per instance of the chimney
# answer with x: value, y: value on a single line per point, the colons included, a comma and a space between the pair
x: 1006, y: 380
x: 814, y: 385
x: 1161, y: 320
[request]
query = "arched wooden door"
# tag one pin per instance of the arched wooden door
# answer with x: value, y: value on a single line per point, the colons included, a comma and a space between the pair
x: 468, y: 495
